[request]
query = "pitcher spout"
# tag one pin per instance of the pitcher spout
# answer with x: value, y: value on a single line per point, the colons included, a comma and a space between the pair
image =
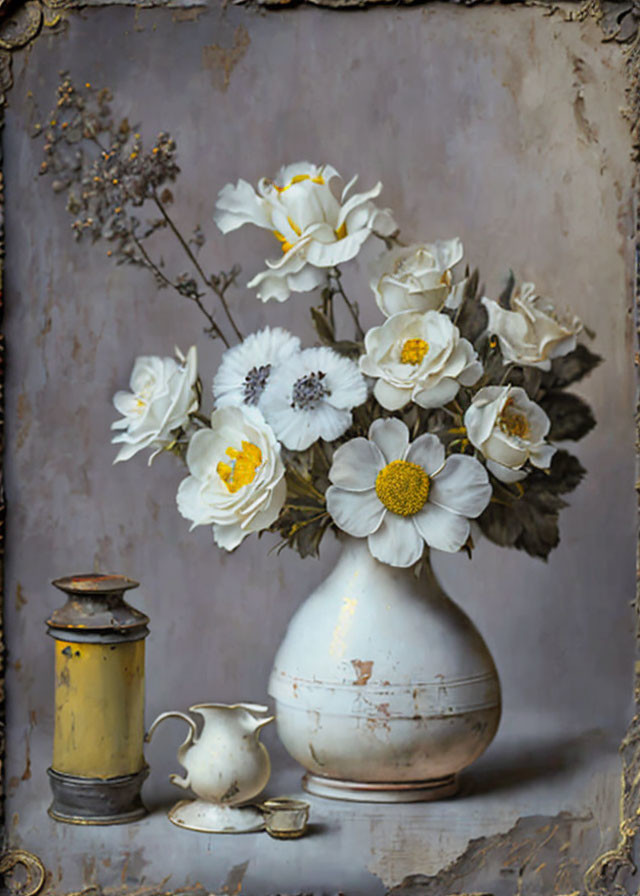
x: 255, y: 716
x: 259, y: 724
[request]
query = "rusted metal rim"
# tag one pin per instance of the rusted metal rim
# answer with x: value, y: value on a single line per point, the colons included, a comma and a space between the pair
x: 94, y: 583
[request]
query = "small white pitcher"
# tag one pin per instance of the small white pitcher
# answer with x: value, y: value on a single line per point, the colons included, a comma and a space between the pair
x: 226, y: 767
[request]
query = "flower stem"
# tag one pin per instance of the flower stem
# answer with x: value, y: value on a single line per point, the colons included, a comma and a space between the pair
x: 164, y: 279
x: 194, y: 261
x: 338, y: 289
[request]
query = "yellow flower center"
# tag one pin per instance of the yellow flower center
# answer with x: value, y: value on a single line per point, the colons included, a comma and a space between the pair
x: 403, y: 487
x: 512, y: 422
x: 341, y: 232
x: 286, y: 245
x: 413, y: 351
x: 243, y: 469
x: 298, y: 179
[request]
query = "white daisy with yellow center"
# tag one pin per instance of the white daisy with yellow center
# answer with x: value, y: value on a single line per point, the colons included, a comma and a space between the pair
x: 418, y: 357
x: 314, y: 229
x: 401, y: 495
x: 236, y: 482
x: 418, y: 277
x: 509, y: 430
x: 530, y: 331
x: 163, y: 395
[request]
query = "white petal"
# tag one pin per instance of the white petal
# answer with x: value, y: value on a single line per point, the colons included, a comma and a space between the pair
x: 438, y: 395
x: 541, y: 455
x: 306, y: 279
x: 427, y: 451
x: 357, y: 200
x: 391, y: 436
x: 505, y: 449
x: 396, y: 542
x: 461, y: 486
x: 383, y: 222
x: 331, y: 422
x: 391, y: 398
x: 505, y: 474
x: 356, y: 513
x: 228, y: 537
x: 356, y: 465
x: 480, y: 417
x: 270, y: 513
x: 240, y: 205
x: 201, y: 453
x: 190, y: 503
x: 128, y: 451
x: 327, y: 255
x: 442, y: 529
x: 270, y: 286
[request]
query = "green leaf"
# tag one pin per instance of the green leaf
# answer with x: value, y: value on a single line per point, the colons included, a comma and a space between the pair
x: 566, y: 474
x: 347, y: 347
x: 528, y: 520
x: 323, y: 326
x: 571, y: 417
x: 505, y: 295
x: 472, y: 318
x: 500, y: 524
x: 529, y: 378
x: 571, y: 368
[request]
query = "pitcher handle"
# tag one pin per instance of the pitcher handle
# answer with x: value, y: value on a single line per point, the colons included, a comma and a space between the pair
x: 177, y: 715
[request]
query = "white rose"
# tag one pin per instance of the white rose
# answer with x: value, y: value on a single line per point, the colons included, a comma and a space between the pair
x: 418, y: 278
x: 237, y: 479
x: 418, y: 357
x: 163, y: 394
x: 531, y: 333
x: 509, y: 429
x: 315, y: 229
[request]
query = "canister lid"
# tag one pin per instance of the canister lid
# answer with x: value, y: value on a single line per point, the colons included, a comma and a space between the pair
x: 95, y: 583
x: 95, y: 604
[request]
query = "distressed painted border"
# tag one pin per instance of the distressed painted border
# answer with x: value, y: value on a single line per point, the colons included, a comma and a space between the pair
x: 614, y: 872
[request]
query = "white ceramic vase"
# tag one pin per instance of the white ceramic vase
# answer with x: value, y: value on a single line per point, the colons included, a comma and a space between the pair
x: 384, y: 688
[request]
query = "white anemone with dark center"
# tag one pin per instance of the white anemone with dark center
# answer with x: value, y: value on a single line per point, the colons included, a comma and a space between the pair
x: 310, y: 396
x: 309, y: 390
x: 245, y: 369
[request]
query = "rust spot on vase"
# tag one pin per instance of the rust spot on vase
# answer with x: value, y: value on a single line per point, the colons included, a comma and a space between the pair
x: 363, y: 670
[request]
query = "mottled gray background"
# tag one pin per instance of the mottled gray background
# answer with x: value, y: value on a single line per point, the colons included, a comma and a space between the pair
x: 500, y: 125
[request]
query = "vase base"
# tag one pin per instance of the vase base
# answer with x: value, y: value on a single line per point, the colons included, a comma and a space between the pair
x: 210, y: 818
x: 387, y: 792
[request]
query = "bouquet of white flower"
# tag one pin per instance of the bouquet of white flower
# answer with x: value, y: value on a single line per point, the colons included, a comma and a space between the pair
x: 445, y: 413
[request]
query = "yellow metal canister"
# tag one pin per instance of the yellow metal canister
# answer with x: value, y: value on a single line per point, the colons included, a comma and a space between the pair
x: 98, y: 763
